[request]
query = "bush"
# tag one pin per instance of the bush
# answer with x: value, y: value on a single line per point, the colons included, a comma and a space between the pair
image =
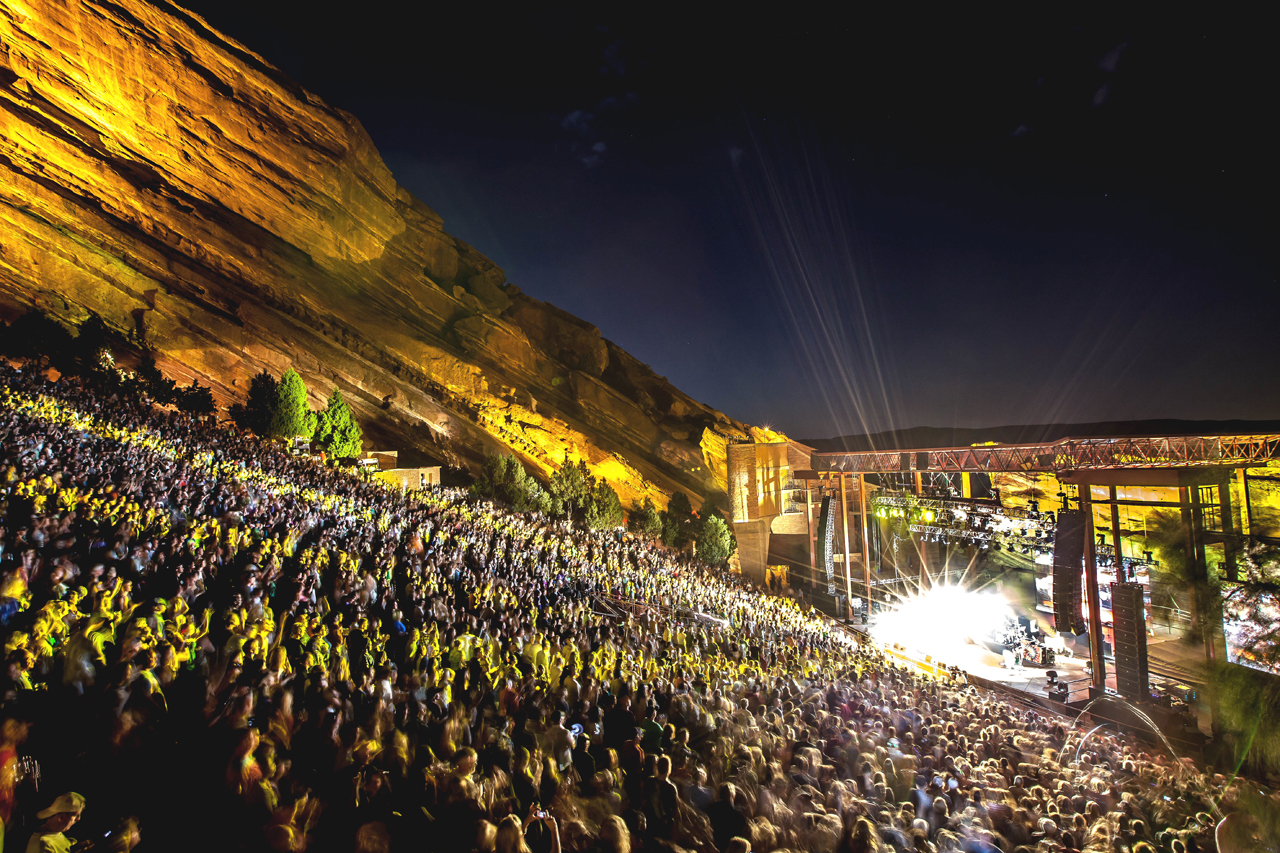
x: 336, y: 428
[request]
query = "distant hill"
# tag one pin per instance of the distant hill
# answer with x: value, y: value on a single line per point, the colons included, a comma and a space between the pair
x: 925, y: 437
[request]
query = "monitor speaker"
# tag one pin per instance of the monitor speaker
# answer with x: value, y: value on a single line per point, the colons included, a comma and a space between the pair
x: 1129, y: 623
x: 1068, y: 554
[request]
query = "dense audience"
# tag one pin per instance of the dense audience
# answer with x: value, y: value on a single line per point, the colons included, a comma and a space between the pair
x: 211, y: 644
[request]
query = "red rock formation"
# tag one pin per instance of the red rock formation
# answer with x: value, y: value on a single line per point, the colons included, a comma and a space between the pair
x: 169, y: 179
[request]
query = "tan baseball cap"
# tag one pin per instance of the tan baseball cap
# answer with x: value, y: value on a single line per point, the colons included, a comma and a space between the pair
x: 69, y: 802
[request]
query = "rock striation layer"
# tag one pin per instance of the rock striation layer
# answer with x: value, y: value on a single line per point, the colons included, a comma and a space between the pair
x: 169, y: 179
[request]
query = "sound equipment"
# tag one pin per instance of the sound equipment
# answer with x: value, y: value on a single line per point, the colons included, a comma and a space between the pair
x: 922, y: 460
x: 1129, y: 624
x: 826, y: 543
x: 1068, y: 554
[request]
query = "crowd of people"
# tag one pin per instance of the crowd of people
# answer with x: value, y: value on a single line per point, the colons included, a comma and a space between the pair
x: 211, y: 644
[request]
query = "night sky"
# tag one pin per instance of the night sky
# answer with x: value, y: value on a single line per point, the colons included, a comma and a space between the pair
x: 834, y: 225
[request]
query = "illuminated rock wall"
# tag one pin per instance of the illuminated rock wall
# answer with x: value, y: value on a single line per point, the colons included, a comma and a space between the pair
x: 169, y: 179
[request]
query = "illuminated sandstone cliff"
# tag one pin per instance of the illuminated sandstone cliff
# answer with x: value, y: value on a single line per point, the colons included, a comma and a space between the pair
x: 162, y: 175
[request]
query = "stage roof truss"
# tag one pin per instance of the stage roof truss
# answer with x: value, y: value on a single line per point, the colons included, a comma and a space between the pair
x: 1068, y: 454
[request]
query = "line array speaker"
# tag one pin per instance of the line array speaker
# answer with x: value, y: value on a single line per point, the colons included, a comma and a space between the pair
x: 1129, y: 623
x: 827, y: 543
x: 1068, y: 554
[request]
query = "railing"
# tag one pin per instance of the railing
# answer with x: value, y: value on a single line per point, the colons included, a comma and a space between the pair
x: 1175, y: 621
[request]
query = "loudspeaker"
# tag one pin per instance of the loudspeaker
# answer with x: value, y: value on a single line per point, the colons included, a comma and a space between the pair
x: 1129, y: 623
x: 922, y: 460
x: 904, y: 461
x: 1068, y: 553
x: 827, y: 542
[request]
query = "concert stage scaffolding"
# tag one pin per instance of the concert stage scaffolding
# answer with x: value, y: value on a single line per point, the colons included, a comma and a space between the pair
x: 1199, y: 467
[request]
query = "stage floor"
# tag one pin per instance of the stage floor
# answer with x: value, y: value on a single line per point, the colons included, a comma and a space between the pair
x: 1029, y: 679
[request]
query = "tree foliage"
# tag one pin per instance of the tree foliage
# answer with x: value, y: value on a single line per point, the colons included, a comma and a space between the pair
x: 336, y: 428
x: 1246, y: 700
x: 196, y: 399
x: 678, y: 528
x: 291, y: 416
x: 155, y: 384
x: 571, y: 488
x: 91, y: 349
x: 715, y: 541
x: 503, y: 479
x: 604, y: 511
x: 716, y: 503
x: 35, y: 336
x: 255, y: 413
x: 644, y: 520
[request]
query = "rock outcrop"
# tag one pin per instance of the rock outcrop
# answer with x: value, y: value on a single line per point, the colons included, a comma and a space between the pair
x: 169, y: 179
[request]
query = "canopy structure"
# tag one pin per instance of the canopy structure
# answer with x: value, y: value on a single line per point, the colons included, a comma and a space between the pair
x: 1064, y: 456
x: 1199, y: 467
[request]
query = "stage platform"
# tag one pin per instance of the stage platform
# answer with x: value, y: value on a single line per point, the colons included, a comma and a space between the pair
x: 982, y: 662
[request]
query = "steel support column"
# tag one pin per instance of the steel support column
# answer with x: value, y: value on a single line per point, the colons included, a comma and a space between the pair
x: 1118, y: 560
x: 866, y: 542
x: 1096, y: 658
x: 848, y: 572
x: 808, y: 514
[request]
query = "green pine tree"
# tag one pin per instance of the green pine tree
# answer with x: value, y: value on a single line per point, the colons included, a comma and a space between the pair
x: 255, y: 413
x: 503, y: 478
x: 196, y: 399
x: 290, y: 416
x: 604, y: 512
x: 571, y: 489
x: 644, y: 520
x: 158, y: 386
x: 336, y: 428
x: 678, y: 521
x: 715, y: 541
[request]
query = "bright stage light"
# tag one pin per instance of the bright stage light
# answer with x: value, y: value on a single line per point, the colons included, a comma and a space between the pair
x: 939, y: 620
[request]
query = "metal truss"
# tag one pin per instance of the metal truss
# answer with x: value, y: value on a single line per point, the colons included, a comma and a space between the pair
x: 969, y: 507
x: 1068, y: 454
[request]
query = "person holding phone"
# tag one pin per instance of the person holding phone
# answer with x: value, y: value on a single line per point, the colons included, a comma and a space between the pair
x: 58, y: 818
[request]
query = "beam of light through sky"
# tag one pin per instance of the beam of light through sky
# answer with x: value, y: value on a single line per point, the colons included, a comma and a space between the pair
x: 801, y: 218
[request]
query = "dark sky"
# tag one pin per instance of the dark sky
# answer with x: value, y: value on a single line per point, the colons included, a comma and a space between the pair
x: 837, y: 224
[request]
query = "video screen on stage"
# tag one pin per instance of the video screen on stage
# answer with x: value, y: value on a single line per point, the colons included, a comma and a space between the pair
x: 1248, y: 624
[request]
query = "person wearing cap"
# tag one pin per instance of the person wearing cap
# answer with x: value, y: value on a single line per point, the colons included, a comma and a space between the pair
x: 58, y: 818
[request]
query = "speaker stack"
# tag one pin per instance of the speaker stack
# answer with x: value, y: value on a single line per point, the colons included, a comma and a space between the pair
x: 1130, y: 626
x: 1068, y: 554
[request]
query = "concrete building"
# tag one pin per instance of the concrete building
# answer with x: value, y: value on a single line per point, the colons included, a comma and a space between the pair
x: 386, y: 467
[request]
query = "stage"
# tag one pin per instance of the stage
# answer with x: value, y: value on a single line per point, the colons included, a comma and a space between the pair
x: 986, y: 664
